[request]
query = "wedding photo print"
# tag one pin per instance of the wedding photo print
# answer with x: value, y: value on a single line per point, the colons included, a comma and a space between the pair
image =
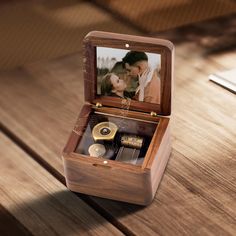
x: 129, y: 74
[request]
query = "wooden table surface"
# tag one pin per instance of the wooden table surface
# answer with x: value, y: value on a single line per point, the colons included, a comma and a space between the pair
x: 39, y: 104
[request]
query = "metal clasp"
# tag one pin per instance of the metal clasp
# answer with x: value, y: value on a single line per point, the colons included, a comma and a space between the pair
x: 153, y: 113
x: 98, y: 104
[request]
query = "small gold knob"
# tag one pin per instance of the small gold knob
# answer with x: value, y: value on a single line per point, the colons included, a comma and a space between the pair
x: 153, y: 113
x: 98, y: 104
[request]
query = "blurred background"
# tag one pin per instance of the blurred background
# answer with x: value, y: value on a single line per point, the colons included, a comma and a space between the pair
x: 42, y: 92
x: 39, y: 30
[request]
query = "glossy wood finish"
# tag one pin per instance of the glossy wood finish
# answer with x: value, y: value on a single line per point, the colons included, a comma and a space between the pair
x: 137, y: 43
x: 91, y: 176
x: 39, y: 105
x: 78, y: 130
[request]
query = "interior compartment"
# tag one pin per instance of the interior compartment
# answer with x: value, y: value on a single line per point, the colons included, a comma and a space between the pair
x: 129, y: 145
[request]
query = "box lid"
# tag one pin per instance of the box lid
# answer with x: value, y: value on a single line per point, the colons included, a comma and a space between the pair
x: 118, y: 66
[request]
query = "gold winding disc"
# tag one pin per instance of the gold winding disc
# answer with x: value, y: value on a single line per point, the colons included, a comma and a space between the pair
x: 104, y: 131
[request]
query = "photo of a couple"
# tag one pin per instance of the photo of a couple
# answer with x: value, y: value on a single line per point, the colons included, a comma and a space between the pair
x: 129, y: 74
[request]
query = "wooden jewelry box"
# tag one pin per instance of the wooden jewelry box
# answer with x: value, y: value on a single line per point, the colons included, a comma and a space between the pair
x: 120, y: 144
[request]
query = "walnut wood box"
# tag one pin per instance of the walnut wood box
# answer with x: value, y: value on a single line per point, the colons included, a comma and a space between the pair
x: 109, y: 178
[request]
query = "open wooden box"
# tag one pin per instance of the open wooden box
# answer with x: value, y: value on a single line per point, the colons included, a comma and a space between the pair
x: 107, y: 176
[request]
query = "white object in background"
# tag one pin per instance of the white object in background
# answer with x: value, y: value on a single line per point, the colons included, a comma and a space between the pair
x: 227, y: 79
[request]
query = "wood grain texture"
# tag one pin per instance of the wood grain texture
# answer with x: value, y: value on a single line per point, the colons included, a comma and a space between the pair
x: 41, y: 203
x: 41, y: 102
x: 9, y: 225
x: 188, y: 202
x: 78, y: 130
x: 136, y: 43
x: 91, y: 176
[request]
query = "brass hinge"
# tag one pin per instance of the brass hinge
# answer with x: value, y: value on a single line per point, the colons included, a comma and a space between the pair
x: 153, y: 113
x: 98, y: 104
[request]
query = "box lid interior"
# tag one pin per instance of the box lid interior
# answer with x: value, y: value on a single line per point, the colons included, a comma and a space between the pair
x: 113, y: 75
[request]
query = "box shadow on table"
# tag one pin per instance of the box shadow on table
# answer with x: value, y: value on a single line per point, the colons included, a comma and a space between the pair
x: 61, y: 212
